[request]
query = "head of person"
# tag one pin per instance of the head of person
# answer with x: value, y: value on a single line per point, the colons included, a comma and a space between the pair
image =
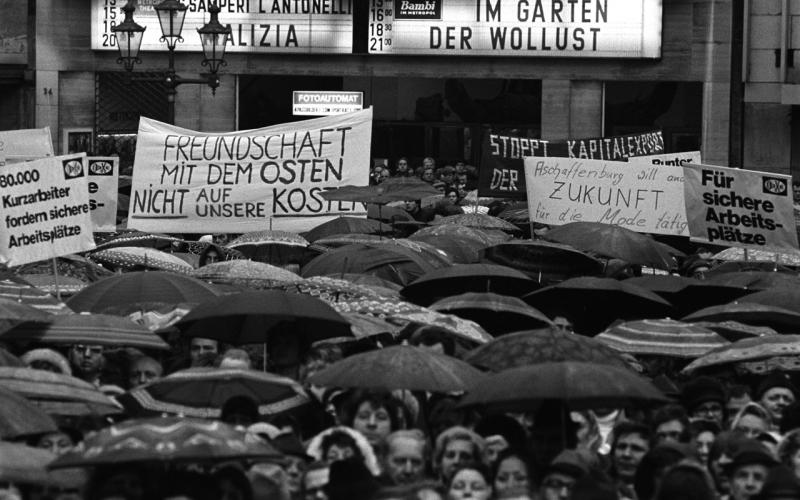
x: 781, y: 484
x: 406, y: 455
x: 448, y: 174
x: 316, y: 358
x: 143, y: 370
x: 200, y: 348
x: 686, y: 480
x: 381, y: 174
x: 725, y: 446
x: 748, y: 470
x: 704, y: 432
x: 374, y: 414
x: 429, y: 162
x: 434, y: 338
x: 752, y: 420
x: 239, y: 411
x: 210, y: 255
x: 314, y: 481
x: 738, y: 396
x: 47, y: 360
x: 775, y: 393
x: 296, y: 459
x: 58, y: 442
x: 339, y: 445
x: 564, y: 324
x: 789, y: 451
x: 500, y: 432
x: 456, y: 447
x: 512, y: 472
x: 704, y: 397
x: 428, y: 174
x: 451, y: 195
x: 235, y: 358
x: 670, y: 423
x: 413, y: 206
x: 654, y: 464
x: 561, y: 475
x: 469, y: 481
x: 630, y: 443
x: 402, y: 165
x: 87, y: 361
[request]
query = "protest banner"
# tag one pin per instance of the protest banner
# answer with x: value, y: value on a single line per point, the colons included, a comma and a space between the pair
x: 502, y: 172
x: 103, y: 186
x: 646, y: 199
x: 743, y: 208
x: 270, y: 178
x: 27, y: 144
x: 670, y: 159
x: 45, y: 209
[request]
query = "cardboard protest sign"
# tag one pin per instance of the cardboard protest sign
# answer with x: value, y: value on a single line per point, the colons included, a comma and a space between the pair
x: 26, y: 144
x: 103, y: 174
x: 234, y: 182
x: 502, y: 173
x: 45, y: 209
x: 729, y: 206
x: 647, y: 199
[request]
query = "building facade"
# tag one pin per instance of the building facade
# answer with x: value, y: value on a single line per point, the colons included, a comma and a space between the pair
x: 710, y: 85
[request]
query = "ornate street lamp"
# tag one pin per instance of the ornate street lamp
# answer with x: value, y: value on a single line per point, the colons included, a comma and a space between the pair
x: 171, y: 14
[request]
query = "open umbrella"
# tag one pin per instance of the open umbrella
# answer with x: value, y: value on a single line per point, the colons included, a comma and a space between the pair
x: 21, y: 464
x: 755, y: 280
x: 136, y: 258
x: 274, y: 247
x: 613, y: 241
x: 477, y: 221
x: 19, y: 417
x: 579, y: 385
x: 516, y: 213
x: 345, y: 225
x: 734, y: 330
x: 332, y: 289
x: 783, y: 349
x: 661, y: 337
x: 392, y: 189
x: 199, y: 247
x: 140, y: 239
x: 740, y: 254
x: 250, y: 317
x: 339, y: 240
x: 56, y: 393
x: 497, y: 314
x: 399, y: 367
x: 93, y: 329
x: 8, y: 359
x: 468, y: 278
x: 751, y: 313
x: 165, y: 440
x: 396, y: 265
x: 75, y: 266
x: 545, y: 345
x: 777, y: 297
x: 594, y: 303
x: 370, y: 281
x: 61, y: 285
x: 202, y: 392
x: 488, y: 237
x: 689, y: 294
x: 247, y: 273
x: 13, y: 313
x: 141, y: 286
x: 16, y: 289
x: 543, y: 260
x: 461, y: 250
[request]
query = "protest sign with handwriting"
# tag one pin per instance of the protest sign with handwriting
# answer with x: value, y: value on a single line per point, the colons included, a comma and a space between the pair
x: 190, y: 182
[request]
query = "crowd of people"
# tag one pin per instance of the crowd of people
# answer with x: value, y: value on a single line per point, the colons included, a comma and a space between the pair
x: 722, y: 436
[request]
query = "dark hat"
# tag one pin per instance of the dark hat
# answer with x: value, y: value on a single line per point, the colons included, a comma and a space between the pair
x: 781, y: 483
x: 571, y: 463
x: 351, y: 480
x: 701, y: 390
x: 775, y: 379
x: 750, y: 452
x: 288, y: 444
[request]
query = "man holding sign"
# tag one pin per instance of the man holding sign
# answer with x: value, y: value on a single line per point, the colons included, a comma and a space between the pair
x: 728, y: 206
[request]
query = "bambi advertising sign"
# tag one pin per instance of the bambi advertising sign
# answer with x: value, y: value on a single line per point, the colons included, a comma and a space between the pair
x: 189, y: 182
x: 734, y: 207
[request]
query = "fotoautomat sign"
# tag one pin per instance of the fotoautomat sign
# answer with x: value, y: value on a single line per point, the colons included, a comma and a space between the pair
x: 45, y: 209
x: 305, y: 26
x: 525, y: 28
x: 735, y: 207
x: 188, y: 182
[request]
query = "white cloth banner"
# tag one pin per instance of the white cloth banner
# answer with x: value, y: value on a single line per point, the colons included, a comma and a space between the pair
x: 45, y: 209
x: 103, y: 191
x: 235, y: 182
x: 644, y: 198
x: 27, y: 144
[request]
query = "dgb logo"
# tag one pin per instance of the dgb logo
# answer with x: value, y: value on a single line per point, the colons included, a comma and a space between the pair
x: 775, y: 185
x: 100, y: 167
x: 72, y: 168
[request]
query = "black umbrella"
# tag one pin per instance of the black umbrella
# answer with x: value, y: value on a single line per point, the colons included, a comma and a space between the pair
x: 497, y: 314
x: 750, y: 313
x: 543, y: 260
x: 468, y: 278
x: 594, y: 303
x: 252, y: 317
x: 689, y: 294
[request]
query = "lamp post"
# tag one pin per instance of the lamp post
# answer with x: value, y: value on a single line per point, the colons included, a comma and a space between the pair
x: 171, y: 14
